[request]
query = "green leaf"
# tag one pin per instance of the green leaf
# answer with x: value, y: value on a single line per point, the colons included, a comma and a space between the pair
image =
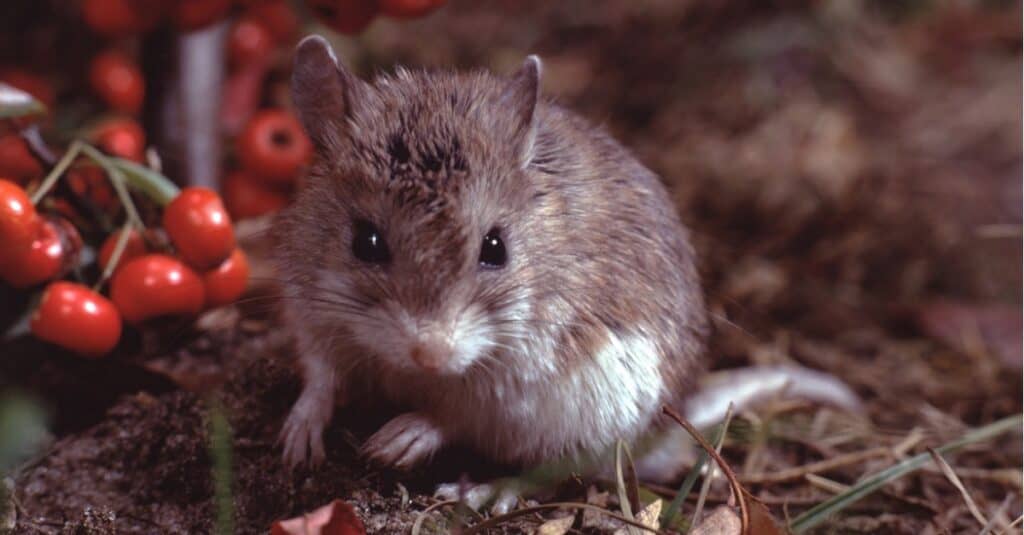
x: 151, y: 183
x: 16, y: 103
x: 22, y: 430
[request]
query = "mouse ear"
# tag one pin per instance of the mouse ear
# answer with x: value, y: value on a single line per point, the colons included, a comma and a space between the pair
x: 520, y: 96
x: 323, y: 91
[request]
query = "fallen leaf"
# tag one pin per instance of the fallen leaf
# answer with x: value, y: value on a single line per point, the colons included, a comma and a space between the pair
x: 761, y: 520
x: 722, y: 521
x: 648, y: 516
x: 558, y: 526
x: 335, y: 518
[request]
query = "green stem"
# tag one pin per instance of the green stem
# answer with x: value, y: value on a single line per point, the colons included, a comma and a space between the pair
x: 220, y: 452
x: 153, y: 184
x: 57, y: 171
x: 819, y: 513
x: 115, y: 256
x: 117, y: 180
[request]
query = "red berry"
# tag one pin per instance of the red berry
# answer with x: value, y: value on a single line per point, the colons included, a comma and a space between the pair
x: 123, y: 138
x: 121, y: 18
x: 133, y: 248
x: 245, y: 198
x: 409, y: 8
x: 345, y: 16
x: 250, y: 41
x: 227, y: 283
x: 190, y: 15
x: 43, y: 261
x: 90, y: 182
x: 16, y: 161
x: 274, y: 147
x: 30, y: 83
x: 156, y: 285
x: 277, y: 17
x: 199, y: 227
x: 19, y: 223
x: 76, y: 318
x: 117, y: 79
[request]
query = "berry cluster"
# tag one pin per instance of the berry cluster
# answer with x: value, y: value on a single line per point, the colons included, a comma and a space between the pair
x: 147, y: 280
x: 175, y: 253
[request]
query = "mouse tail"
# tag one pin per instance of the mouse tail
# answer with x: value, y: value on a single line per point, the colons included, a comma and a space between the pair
x: 750, y: 386
x: 673, y: 452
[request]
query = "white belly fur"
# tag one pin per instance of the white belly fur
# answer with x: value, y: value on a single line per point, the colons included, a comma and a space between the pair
x: 585, y: 410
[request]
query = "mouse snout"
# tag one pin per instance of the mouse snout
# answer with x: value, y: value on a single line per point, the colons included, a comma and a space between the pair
x: 431, y: 351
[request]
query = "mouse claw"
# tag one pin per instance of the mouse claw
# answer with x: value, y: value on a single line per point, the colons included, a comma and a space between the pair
x: 302, y: 436
x: 448, y: 491
x: 506, y: 500
x: 503, y: 496
x: 404, y: 442
x: 473, y: 495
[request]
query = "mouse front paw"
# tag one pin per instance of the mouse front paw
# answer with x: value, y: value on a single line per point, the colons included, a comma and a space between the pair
x: 302, y: 433
x: 405, y: 441
x: 503, y: 495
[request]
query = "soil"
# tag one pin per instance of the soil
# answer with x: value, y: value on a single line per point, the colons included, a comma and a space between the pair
x: 852, y: 171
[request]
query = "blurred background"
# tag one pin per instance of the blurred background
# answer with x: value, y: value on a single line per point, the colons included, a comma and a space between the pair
x: 852, y: 169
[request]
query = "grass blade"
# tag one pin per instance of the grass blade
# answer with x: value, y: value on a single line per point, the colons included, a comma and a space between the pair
x: 706, y: 485
x: 947, y: 471
x: 670, y: 514
x: 626, y: 481
x: 819, y: 513
x: 220, y: 451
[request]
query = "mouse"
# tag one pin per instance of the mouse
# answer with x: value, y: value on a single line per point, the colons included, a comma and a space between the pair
x: 470, y: 250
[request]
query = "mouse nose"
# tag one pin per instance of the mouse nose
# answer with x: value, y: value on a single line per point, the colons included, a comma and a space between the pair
x: 431, y: 352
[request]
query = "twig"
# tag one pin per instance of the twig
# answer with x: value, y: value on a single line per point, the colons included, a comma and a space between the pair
x: 826, y: 484
x: 820, y: 512
x: 117, y: 180
x: 416, y: 526
x: 57, y: 171
x: 668, y: 517
x: 115, y: 255
x: 952, y: 477
x: 997, y: 514
x: 495, y: 520
x: 726, y: 469
x: 817, y: 467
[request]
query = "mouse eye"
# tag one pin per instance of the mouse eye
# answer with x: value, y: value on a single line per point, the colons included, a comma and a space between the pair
x: 368, y: 244
x: 492, y: 252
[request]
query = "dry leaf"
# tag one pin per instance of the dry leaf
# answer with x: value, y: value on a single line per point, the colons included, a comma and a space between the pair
x: 722, y: 521
x: 761, y: 520
x: 557, y: 526
x: 648, y: 517
x: 335, y: 518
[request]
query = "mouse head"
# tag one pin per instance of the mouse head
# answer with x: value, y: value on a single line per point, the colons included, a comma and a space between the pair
x: 411, y: 231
